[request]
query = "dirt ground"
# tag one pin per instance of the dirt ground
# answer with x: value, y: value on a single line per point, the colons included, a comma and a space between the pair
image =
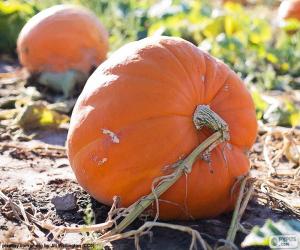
x: 36, y: 173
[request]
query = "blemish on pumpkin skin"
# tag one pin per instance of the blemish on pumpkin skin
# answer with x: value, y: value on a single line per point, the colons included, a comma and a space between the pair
x: 112, y: 135
x: 229, y: 146
x: 202, y: 78
x: 99, y: 161
x: 26, y: 50
x: 166, y: 168
x: 247, y: 152
x: 102, y: 161
x: 206, y: 156
x: 180, y: 157
x: 226, y: 87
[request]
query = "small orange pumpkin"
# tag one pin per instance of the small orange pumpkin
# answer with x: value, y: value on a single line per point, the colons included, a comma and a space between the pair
x: 62, y: 38
x: 135, y: 117
x: 289, y: 9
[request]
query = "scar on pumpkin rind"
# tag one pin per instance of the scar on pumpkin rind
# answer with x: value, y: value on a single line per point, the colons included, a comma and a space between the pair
x: 226, y: 87
x: 112, y: 135
x: 99, y: 161
x: 102, y: 161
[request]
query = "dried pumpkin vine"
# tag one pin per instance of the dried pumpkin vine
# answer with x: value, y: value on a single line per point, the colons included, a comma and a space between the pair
x: 203, y: 116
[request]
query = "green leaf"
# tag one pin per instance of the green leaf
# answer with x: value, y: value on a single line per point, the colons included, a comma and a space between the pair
x: 260, y: 104
x: 283, y: 113
x: 231, y: 25
x: 272, y: 58
x: 233, y: 7
x: 213, y: 27
x: 38, y: 115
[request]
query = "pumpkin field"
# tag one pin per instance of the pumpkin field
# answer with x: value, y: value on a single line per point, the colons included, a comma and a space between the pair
x: 150, y: 124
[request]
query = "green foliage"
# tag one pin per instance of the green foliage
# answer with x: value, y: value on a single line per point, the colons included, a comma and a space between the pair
x: 283, y: 113
x: 38, y: 115
x: 260, y: 104
x: 263, y: 53
x: 13, y: 15
x: 89, y: 217
x: 267, y: 57
x: 242, y: 40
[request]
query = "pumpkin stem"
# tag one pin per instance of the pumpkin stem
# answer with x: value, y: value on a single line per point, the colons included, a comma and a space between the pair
x: 204, y: 116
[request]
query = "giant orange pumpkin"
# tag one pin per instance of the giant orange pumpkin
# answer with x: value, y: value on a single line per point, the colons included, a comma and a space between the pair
x: 61, y: 38
x: 135, y: 117
x: 289, y: 9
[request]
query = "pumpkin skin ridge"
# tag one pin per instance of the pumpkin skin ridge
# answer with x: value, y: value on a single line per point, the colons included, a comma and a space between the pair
x: 206, y: 57
x: 219, y: 68
x: 219, y: 64
x: 249, y: 107
x: 183, y: 68
x: 225, y: 81
x: 229, y: 74
x: 191, y: 141
x: 221, y: 87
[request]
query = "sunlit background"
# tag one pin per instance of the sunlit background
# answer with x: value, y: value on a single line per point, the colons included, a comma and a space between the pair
x: 247, y: 35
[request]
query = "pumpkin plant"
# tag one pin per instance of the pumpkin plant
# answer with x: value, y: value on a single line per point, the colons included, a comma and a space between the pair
x: 144, y: 110
x: 62, y: 44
